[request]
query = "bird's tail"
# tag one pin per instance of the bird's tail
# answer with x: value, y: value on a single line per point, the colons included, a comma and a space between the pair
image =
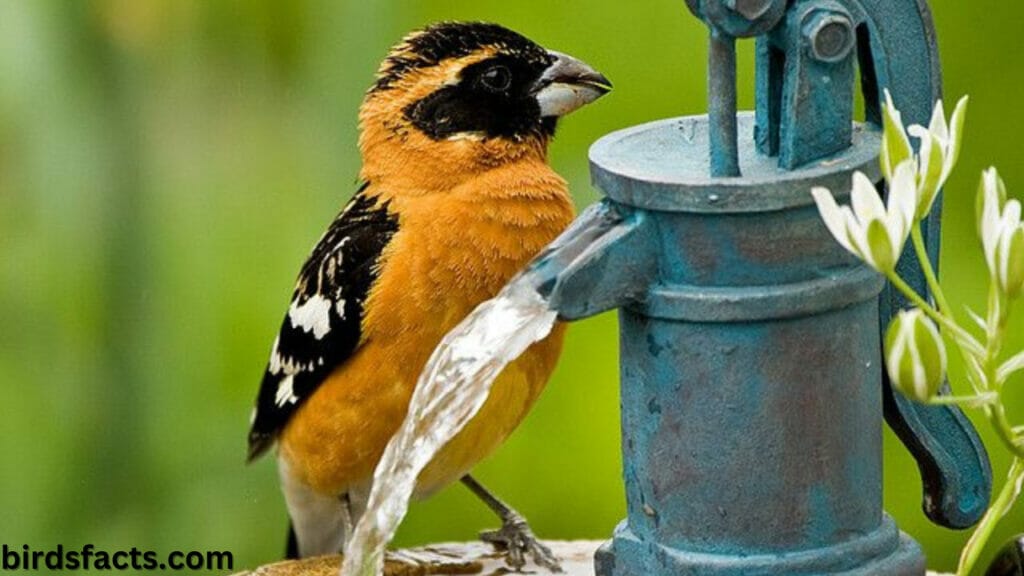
x: 319, y: 523
x: 291, y: 550
x: 318, y: 527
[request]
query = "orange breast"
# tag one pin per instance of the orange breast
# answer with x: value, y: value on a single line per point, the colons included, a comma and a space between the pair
x: 453, y: 250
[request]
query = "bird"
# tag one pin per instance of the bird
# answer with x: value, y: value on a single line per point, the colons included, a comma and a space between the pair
x: 455, y: 196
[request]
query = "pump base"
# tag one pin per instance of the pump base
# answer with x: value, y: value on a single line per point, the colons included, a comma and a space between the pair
x: 885, y: 552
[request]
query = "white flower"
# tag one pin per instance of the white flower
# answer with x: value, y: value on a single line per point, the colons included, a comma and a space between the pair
x: 915, y: 355
x: 871, y: 231
x: 1002, y: 234
x: 940, y: 149
x: 1011, y: 262
x: 896, y: 147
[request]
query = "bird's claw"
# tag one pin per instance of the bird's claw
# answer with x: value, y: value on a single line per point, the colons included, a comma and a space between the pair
x: 518, y: 541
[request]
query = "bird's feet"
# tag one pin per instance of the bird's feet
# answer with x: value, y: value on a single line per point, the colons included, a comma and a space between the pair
x: 519, y: 543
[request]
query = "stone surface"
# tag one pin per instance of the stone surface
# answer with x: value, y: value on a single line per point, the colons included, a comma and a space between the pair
x: 451, y: 559
x: 577, y: 558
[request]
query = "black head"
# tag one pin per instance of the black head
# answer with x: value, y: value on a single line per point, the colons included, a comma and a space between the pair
x: 458, y: 80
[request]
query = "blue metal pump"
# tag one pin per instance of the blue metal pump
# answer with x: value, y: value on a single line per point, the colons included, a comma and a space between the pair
x: 752, y: 379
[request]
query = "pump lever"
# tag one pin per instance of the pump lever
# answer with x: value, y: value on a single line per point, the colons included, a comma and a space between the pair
x: 807, y: 55
x: 897, y: 51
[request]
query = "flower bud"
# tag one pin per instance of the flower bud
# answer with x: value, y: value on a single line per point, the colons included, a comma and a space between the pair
x: 896, y: 147
x: 915, y: 355
x: 940, y: 149
x: 989, y: 203
x: 1011, y: 263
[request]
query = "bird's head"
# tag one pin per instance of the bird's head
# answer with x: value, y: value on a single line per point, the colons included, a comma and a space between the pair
x: 474, y: 94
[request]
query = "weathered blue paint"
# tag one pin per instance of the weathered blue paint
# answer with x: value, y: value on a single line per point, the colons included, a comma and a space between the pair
x: 722, y: 105
x: 817, y: 89
x: 752, y: 377
x: 751, y: 382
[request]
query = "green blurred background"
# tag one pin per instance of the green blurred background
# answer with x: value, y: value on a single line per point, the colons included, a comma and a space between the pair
x: 166, y: 164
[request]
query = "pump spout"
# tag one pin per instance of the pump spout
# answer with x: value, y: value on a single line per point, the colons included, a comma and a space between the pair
x: 604, y: 260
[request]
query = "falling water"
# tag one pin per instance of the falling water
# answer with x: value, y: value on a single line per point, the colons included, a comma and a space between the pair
x: 457, y: 381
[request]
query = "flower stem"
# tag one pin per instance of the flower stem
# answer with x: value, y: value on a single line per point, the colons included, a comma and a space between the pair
x: 996, y: 412
x: 929, y: 272
x: 962, y: 335
x: 977, y: 400
x: 1001, y: 424
x: 995, y: 513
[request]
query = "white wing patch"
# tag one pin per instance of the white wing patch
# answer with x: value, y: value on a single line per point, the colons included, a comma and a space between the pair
x: 281, y: 364
x: 285, y: 392
x: 321, y: 328
x: 312, y: 316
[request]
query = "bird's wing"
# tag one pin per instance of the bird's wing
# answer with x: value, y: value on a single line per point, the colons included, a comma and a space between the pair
x: 323, y: 325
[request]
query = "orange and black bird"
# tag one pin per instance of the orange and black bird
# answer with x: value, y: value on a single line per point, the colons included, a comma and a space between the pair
x: 456, y: 197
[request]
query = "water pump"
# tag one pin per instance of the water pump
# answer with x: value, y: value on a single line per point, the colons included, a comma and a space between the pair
x: 753, y: 386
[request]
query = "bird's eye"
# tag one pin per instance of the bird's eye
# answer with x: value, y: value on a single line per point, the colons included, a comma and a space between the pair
x: 496, y: 78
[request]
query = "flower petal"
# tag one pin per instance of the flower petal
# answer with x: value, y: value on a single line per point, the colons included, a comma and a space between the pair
x: 864, y: 199
x: 1011, y: 275
x: 930, y: 171
x: 938, y: 125
x: 881, y: 252
x: 1004, y: 256
x: 990, y: 221
x: 895, y: 350
x: 895, y: 143
x: 956, y: 136
x: 833, y: 216
x: 1011, y: 215
x: 855, y: 235
x: 902, y: 201
x: 933, y: 352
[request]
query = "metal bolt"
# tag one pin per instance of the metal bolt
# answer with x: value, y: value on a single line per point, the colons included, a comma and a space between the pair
x: 749, y: 9
x: 830, y: 35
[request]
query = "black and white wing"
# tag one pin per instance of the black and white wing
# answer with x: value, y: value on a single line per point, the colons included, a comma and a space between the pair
x: 323, y: 324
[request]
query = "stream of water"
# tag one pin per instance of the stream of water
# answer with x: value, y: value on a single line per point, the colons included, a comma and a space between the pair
x: 457, y: 381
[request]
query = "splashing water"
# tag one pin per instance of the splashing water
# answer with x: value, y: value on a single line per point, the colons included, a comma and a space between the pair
x: 457, y: 381
x: 451, y: 390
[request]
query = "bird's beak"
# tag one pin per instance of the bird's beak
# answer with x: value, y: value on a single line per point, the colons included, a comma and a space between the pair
x: 567, y: 85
